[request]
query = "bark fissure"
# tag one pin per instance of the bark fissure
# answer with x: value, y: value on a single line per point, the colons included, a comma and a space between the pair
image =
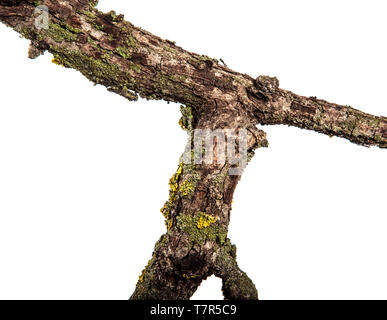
x: 134, y: 63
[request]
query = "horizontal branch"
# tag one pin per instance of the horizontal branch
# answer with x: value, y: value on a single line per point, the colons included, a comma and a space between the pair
x: 285, y: 107
x: 133, y: 62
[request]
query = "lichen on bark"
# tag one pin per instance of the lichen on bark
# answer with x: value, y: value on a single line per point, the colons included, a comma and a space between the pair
x: 134, y: 63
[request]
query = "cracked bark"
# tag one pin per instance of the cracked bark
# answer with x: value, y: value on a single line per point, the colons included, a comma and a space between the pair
x: 132, y: 62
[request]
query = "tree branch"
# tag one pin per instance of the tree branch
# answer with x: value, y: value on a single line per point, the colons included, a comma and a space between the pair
x: 132, y: 62
x: 285, y: 107
x: 236, y: 284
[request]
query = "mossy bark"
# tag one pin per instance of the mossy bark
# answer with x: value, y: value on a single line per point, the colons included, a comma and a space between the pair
x: 197, y: 218
x: 132, y: 62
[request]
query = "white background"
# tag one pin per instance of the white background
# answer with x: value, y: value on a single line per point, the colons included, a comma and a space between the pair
x: 84, y: 173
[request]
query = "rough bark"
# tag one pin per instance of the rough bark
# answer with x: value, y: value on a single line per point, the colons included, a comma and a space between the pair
x: 132, y: 62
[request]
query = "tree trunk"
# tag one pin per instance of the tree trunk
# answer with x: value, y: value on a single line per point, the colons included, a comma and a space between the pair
x: 197, y: 218
x: 132, y: 62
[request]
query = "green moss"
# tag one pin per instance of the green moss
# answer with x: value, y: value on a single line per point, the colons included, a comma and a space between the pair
x: 227, y: 251
x: 60, y: 34
x: 163, y: 241
x: 171, y: 50
x: 166, y: 84
x: 207, y: 58
x: 93, y: 68
x: 90, y: 14
x: 113, y: 14
x: 186, y: 120
x: 72, y: 29
x: 124, y: 52
x: 213, y: 232
x: 93, y: 3
x: 98, y: 26
x: 25, y: 32
x: 219, y: 179
x: 106, y: 56
x: 131, y: 42
x: 39, y: 36
x: 98, y: 71
x: 135, y: 67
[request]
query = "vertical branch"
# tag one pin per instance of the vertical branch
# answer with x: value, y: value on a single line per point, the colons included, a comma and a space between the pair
x: 236, y: 284
x: 197, y: 218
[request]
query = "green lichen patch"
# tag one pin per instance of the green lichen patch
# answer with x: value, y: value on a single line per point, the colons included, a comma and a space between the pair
x: 99, y: 71
x: 131, y: 42
x: 212, y: 232
x: 124, y: 52
x: 61, y: 33
x: 72, y: 29
x: 113, y: 14
x: 207, y: 58
x: 171, y: 50
x: 99, y: 27
x: 219, y: 179
x: 186, y: 120
x: 188, y: 185
x: 135, y: 67
x: 236, y: 284
x: 93, y: 3
x: 163, y: 241
x: 127, y: 49
x: 167, y: 85
x: 89, y: 14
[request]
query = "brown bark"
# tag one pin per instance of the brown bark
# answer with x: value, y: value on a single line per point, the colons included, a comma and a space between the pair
x: 132, y: 62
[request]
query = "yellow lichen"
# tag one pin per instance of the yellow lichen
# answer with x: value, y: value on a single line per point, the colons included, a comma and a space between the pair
x: 58, y: 61
x: 186, y: 276
x: 141, y: 278
x: 181, y: 123
x: 170, y: 224
x: 205, y: 220
x: 186, y: 188
x: 175, y: 178
x: 173, y: 185
x: 188, y: 224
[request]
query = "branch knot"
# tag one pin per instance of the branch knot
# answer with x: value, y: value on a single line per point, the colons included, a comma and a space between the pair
x: 267, y: 84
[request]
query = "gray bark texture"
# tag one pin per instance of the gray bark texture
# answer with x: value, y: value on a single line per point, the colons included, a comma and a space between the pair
x: 135, y: 63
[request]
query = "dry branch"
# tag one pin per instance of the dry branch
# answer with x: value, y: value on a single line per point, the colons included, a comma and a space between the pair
x: 132, y: 62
